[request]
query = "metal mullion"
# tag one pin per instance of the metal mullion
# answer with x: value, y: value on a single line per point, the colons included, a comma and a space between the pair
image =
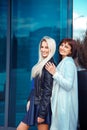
x: 8, y: 63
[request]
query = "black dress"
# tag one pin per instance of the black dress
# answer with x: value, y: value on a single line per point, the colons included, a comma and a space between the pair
x: 40, y: 99
x: 32, y: 114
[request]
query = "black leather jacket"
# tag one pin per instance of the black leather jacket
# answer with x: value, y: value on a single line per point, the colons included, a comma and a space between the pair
x: 43, y: 90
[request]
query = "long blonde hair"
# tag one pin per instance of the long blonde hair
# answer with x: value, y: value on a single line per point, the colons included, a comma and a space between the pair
x: 37, y: 68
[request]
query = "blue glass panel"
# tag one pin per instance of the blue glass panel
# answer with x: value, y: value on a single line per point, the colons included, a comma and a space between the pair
x: 3, y: 30
x: 31, y: 20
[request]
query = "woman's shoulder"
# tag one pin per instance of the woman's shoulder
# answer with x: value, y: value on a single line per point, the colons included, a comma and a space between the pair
x: 52, y: 61
x: 69, y: 61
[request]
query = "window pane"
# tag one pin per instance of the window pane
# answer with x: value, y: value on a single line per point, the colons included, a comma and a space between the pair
x: 3, y: 31
x: 31, y: 20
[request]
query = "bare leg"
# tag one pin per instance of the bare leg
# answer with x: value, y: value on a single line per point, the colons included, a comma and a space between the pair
x: 22, y: 126
x: 43, y: 127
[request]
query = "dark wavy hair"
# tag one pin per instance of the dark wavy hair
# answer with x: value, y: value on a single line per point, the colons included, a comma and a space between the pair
x: 82, y: 55
x: 73, y: 45
x: 82, y: 51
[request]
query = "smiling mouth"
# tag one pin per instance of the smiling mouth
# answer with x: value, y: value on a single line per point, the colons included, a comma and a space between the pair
x: 61, y: 51
x: 44, y: 53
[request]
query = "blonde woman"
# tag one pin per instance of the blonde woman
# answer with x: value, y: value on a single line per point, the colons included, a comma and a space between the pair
x: 38, y: 106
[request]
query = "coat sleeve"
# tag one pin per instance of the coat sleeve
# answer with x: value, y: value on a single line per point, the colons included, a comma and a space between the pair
x: 47, y: 91
x: 65, y: 79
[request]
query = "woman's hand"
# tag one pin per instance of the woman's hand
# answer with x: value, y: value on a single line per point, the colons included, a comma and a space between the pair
x: 50, y: 67
x: 28, y: 105
x: 40, y: 120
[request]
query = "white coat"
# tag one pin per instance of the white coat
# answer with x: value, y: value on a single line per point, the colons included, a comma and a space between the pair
x: 64, y: 100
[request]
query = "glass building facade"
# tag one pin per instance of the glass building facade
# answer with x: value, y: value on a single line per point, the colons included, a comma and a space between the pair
x: 22, y: 25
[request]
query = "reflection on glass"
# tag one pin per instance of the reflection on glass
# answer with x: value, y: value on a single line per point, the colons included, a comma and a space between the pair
x: 30, y: 21
x: 3, y: 29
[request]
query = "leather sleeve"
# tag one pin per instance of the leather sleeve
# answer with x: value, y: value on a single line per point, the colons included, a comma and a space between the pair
x: 46, y: 95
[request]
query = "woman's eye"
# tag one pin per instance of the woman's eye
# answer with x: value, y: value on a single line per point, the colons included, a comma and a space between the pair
x: 66, y: 46
x: 46, y: 47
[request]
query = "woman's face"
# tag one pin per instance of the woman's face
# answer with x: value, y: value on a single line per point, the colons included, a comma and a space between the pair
x: 65, y: 49
x: 44, y: 49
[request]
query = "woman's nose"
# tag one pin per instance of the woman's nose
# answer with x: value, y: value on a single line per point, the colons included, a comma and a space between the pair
x: 43, y: 49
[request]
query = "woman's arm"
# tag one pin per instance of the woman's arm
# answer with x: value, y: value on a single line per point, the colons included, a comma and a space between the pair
x: 47, y: 91
x: 65, y: 79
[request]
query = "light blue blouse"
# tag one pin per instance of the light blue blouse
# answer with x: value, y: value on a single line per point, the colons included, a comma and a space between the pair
x: 64, y: 100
